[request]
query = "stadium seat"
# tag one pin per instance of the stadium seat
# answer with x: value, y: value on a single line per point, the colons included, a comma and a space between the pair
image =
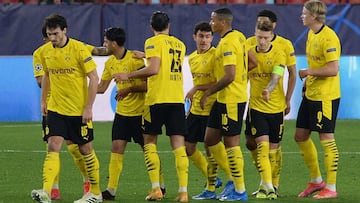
x: 354, y: 2
x: 246, y: 1
x: 303, y: 1
x: 31, y: 2
x: 9, y: 1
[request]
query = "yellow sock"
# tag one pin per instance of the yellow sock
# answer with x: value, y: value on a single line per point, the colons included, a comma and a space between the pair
x: 182, y: 167
x: 115, y: 168
x: 212, y: 168
x: 272, y: 159
x: 218, y: 151
x: 199, y: 161
x: 78, y: 159
x: 152, y: 162
x: 310, y: 156
x: 92, y: 166
x: 276, y: 166
x: 51, y: 169
x: 236, y: 162
x: 331, y: 160
x: 263, y: 161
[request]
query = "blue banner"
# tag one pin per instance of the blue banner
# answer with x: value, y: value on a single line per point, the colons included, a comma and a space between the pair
x: 20, y: 32
x: 20, y: 95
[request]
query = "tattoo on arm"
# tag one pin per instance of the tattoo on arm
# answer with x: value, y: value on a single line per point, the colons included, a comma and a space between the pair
x: 274, y: 81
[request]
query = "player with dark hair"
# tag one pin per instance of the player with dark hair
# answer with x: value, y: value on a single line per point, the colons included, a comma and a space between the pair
x: 69, y: 112
x: 130, y: 98
x: 275, y: 147
x: 201, y: 63
x: 38, y: 61
x: 164, y: 103
x: 225, y: 119
x: 319, y: 106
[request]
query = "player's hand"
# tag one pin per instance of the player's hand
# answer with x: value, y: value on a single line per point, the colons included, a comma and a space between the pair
x: 266, y: 94
x: 190, y: 94
x: 203, y: 101
x: 44, y: 108
x: 288, y: 107
x: 138, y: 54
x: 303, y: 73
x: 122, y: 93
x: 87, y: 115
x: 120, y: 77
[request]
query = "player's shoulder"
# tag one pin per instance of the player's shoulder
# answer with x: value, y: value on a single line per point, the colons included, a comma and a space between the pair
x: 42, y: 48
x: 280, y: 39
x: 193, y: 54
x: 328, y: 32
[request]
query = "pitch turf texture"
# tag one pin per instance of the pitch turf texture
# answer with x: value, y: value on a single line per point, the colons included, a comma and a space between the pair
x: 22, y: 153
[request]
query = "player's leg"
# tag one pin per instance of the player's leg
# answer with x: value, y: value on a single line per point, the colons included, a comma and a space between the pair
x: 84, y: 140
x: 305, y: 120
x: 176, y: 129
x: 152, y: 122
x: 57, y: 129
x: 73, y: 149
x: 327, y: 140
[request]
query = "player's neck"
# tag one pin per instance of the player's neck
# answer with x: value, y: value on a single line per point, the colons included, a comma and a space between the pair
x: 119, y: 53
x: 316, y: 27
x: 162, y: 32
x: 225, y: 31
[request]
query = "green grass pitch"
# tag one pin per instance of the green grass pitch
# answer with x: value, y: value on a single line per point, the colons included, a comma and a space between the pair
x: 22, y: 153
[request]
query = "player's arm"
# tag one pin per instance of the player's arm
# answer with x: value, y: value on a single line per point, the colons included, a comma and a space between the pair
x: 290, y: 87
x: 251, y: 60
x: 100, y: 51
x: 196, y: 88
x: 277, y: 73
x: 38, y: 80
x: 44, y: 92
x: 228, y: 78
x: 329, y: 70
x: 152, y: 69
x: 122, y: 93
x: 103, y: 86
x: 138, y: 54
x: 92, y: 89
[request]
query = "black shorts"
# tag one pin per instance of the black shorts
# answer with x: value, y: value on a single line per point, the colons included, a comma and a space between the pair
x: 271, y: 124
x: 221, y: 118
x: 315, y: 115
x: 70, y: 128
x: 172, y: 115
x: 247, y: 124
x: 196, y: 126
x: 127, y: 127
x: 44, y: 124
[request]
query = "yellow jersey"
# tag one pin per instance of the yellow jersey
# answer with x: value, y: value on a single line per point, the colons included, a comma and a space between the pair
x: 260, y: 77
x: 279, y: 41
x: 133, y: 103
x: 68, y: 67
x: 202, y: 70
x: 321, y: 48
x: 167, y: 85
x: 231, y: 50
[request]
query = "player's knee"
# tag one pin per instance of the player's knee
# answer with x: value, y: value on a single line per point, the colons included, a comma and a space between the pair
x: 250, y: 145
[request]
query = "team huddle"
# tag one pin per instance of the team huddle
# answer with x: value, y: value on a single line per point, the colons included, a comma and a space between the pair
x: 150, y: 94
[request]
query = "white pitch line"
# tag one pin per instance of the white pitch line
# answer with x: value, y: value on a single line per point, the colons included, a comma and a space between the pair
x: 19, y: 126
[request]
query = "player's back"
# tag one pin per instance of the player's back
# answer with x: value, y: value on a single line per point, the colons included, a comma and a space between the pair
x: 167, y: 85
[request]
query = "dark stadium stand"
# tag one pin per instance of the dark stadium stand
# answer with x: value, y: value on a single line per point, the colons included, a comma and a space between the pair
x: 284, y: 2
